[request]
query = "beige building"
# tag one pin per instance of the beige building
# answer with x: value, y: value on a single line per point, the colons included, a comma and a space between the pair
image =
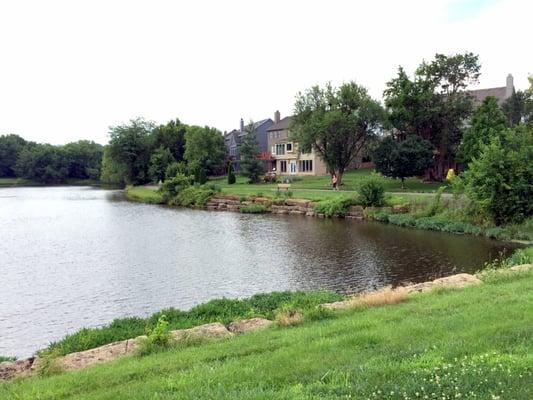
x: 286, y: 159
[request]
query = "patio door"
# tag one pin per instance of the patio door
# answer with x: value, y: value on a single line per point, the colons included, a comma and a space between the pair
x: 293, y: 167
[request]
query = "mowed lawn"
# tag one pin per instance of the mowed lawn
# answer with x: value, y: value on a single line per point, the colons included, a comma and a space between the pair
x: 472, y: 343
x: 313, y: 187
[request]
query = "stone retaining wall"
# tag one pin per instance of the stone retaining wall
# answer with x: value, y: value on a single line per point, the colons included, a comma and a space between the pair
x: 290, y: 206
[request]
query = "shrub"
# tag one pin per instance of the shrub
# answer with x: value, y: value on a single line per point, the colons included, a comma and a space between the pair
x: 371, y: 192
x: 402, y: 220
x: 4, y: 358
x: 231, y: 174
x: 335, y: 207
x: 193, y: 196
x: 254, y: 209
x: 435, y: 206
x: 499, y: 180
x: 158, y: 338
x: 175, y: 168
x: 171, y: 187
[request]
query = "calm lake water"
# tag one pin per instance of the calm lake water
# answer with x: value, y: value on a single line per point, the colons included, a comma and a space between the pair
x: 72, y: 257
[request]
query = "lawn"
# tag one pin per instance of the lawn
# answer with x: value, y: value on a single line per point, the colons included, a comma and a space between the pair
x: 471, y: 343
x: 17, y: 182
x: 318, y: 187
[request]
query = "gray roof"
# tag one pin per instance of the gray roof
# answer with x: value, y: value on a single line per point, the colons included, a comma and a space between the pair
x: 480, y: 94
x: 255, y: 125
x: 281, y: 125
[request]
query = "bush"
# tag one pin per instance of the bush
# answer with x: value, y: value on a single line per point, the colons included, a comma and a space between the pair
x: 254, y: 209
x: 231, y: 174
x: 335, y: 207
x: 158, y: 338
x: 499, y: 181
x: 171, y: 187
x: 371, y: 192
x: 176, y: 168
x: 193, y: 196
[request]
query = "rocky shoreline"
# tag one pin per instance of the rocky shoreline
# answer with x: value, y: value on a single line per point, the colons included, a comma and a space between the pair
x: 216, y: 330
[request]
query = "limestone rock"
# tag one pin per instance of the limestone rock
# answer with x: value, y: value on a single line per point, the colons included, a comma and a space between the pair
x: 454, y: 281
x: 212, y: 331
x: 249, y: 325
x: 19, y: 368
x: 108, y: 352
x: 400, y: 209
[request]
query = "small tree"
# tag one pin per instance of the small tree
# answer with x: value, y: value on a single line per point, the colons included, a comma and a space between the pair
x: 231, y: 174
x: 335, y: 123
x: 488, y: 122
x: 500, y: 180
x: 400, y: 160
x: 252, y: 167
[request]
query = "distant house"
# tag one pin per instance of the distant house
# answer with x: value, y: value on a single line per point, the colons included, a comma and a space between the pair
x: 501, y: 93
x: 286, y: 159
x: 234, y: 138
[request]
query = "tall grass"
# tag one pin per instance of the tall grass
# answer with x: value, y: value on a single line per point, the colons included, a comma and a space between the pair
x: 220, y: 310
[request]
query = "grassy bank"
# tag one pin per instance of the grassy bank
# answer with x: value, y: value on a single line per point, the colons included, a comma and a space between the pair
x: 144, y: 194
x: 471, y: 343
x: 222, y: 310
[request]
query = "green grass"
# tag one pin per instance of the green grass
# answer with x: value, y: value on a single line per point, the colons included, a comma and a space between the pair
x: 4, y: 358
x: 477, y: 340
x: 253, y: 209
x: 220, y: 310
x: 17, y: 182
x: 143, y: 194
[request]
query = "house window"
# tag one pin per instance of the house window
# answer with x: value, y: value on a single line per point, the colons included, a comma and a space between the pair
x: 293, y: 167
x: 289, y: 147
x: 306, y: 165
x: 280, y: 149
x: 283, y: 166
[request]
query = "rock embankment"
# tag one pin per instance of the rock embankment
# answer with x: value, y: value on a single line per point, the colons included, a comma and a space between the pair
x: 288, y: 206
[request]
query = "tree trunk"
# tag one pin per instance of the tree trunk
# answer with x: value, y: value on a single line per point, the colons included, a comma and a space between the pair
x: 339, y: 179
x: 403, y: 183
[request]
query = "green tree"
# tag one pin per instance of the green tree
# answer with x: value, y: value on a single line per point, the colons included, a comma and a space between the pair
x: 10, y: 147
x: 488, y: 122
x: 112, y: 171
x: 435, y: 104
x: 159, y: 161
x: 410, y: 157
x: 500, y: 180
x: 131, y: 145
x: 252, y: 167
x: 335, y: 123
x: 205, y: 151
x: 519, y: 107
x: 171, y: 136
x: 84, y: 159
x: 42, y: 163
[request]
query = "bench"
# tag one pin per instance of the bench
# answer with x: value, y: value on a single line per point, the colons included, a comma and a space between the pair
x: 285, y: 186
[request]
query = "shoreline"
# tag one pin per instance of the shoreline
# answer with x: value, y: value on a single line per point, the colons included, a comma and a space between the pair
x: 395, y: 214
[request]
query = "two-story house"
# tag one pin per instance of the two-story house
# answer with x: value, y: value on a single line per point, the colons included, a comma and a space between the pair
x: 287, y: 160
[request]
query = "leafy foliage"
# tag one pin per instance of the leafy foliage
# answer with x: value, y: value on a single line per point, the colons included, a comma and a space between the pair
x: 371, y: 192
x: 335, y: 207
x: 10, y: 148
x: 130, y: 145
x: 488, y: 122
x: 404, y: 159
x: 434, y: 105
x: 173, y: 186
x: 336, y: 123
x: 519, y: 107
x: 160, y: 160
x: 500, y: 181
x: 254, y: 209
x: 205, y: 152
x: 231, y: 174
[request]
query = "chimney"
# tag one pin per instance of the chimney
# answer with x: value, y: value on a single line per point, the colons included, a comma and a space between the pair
x: 242, y: 125
x: 509, y: 87
x: 276, y: 117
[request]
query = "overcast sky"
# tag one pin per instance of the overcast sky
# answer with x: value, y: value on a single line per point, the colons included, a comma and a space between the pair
x: 70, y: 69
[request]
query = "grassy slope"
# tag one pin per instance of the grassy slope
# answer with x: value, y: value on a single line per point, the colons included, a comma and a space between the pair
x: 143, y: 194
x: 416, y: 347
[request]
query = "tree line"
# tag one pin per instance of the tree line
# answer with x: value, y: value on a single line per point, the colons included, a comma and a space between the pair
x: 141, y: 152
x: 46, y: 163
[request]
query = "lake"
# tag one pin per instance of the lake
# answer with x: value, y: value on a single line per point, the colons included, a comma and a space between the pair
x: 73, y: 257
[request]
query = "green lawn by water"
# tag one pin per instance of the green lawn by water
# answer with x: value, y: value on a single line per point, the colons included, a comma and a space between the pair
x: 443, y: 345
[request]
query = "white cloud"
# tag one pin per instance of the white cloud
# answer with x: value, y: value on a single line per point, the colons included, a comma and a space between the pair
x: 69, y: 69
